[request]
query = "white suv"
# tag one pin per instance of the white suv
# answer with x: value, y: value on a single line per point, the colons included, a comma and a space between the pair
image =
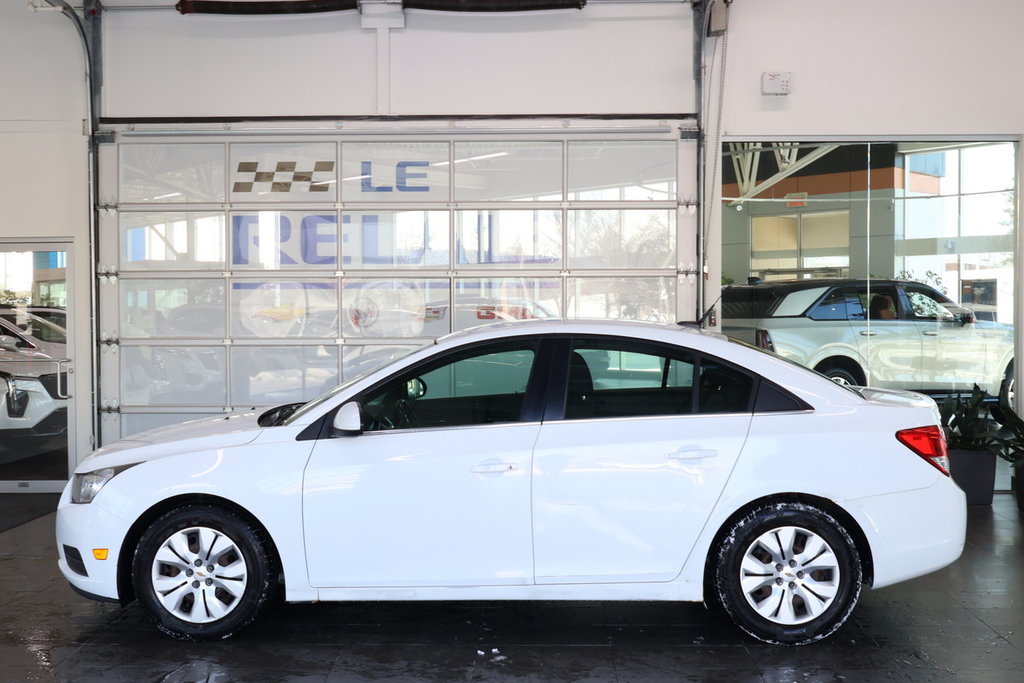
x: 882, y: 333
x: 31, y: 392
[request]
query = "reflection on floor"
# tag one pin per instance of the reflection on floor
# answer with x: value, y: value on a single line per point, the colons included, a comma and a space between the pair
x: 965, y: 623
x: 35, y: 459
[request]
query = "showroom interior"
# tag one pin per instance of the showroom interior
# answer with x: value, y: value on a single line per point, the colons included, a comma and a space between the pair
x: 222, y: 207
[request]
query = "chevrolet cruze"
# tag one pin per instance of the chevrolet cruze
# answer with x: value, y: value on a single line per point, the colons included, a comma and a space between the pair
x: 530, y: 460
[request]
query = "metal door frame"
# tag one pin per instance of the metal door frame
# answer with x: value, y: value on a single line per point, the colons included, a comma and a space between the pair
x: 66, y: 245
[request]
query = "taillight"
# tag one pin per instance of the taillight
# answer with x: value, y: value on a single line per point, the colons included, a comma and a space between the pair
x: 928, y: 442
x: 764, y: 340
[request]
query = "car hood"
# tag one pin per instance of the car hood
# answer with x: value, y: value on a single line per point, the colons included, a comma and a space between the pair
x: 208, y: 433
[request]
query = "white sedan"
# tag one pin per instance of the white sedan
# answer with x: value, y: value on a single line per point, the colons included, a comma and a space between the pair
x: 523, y: 461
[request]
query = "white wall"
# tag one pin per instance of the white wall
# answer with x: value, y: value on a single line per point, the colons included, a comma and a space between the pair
x: 44, y: 159
x: 876, y: 68
x: 605, y: 59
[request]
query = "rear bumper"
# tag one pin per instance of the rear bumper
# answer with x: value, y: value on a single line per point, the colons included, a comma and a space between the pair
x: 902, y: 547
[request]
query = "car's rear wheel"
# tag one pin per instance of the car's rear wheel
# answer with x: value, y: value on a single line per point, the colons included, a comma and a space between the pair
x: 202, y: 572
x: 841, y: 375
x: 787, y: 573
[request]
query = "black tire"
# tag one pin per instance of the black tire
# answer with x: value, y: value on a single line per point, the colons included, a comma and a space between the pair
x: 233, y: 580
x: 841, y: 376
x: 792, y: 602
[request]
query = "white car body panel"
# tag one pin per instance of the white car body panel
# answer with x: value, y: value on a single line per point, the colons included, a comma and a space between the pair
x: 575, y: 517
x: 454, y: 513
x: 604, y: 514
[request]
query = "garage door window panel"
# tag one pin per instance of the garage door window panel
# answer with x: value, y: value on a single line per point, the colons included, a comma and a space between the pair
x: 507, y: 171
x: 188, y: 240
x: 622, y: 171
x: 171, y: 173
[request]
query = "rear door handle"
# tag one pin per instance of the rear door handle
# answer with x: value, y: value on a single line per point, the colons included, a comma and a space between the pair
x: 931, y: 333
x: 868, y: 333
x: 494, y: 467
x: 692, y: 453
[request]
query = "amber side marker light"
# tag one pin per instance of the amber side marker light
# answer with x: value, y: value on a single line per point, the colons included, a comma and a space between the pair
x: 929, y: 443
x: 100, y: 553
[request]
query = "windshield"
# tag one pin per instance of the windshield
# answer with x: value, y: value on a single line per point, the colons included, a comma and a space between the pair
x: 369, y: 363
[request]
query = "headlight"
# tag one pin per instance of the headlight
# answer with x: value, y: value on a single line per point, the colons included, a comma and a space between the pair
x: 86, y: 486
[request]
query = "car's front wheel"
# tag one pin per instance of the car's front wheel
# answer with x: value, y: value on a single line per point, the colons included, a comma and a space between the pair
x: 787, y: 573
x: 202, y: 572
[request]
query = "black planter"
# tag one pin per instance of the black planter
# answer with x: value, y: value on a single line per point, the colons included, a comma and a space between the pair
x: 1017, y: 483
x: 975, y: 473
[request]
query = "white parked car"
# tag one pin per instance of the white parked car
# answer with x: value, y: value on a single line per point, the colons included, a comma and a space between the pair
x: 883, y: 333
x: 529, y: 460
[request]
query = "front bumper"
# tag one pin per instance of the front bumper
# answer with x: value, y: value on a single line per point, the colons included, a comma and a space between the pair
x: 80, y: 530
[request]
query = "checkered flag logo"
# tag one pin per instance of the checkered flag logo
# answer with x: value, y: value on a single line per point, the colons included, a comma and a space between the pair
x: 284, y: 177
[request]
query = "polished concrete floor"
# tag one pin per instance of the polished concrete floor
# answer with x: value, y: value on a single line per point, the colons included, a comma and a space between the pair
x: 965, y: 623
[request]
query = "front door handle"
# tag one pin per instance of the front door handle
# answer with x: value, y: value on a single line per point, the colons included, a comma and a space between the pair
x: 692, y: 453
x: 494, y: 467
x: 931, y: 333
x: 868, y: 333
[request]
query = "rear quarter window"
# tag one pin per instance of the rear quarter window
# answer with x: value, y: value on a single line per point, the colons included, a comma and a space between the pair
x: 798, y: 302
x: 747, y: 303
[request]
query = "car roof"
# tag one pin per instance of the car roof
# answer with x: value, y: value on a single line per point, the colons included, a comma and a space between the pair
x: 796, y: 285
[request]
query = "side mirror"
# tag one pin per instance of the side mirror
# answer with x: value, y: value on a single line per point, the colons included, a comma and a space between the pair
x: 8, y: 343
x: 349, y: 419
x: 415, y: 388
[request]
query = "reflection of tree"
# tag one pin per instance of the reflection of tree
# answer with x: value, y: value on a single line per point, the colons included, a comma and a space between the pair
x: 603, y: 239
x: 647, y: 298
x: 930, y: 278
x: 9, y: 298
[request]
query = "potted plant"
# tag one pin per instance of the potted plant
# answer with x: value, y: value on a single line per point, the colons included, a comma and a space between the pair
x: 1011, y: 440
x: 972, y: 445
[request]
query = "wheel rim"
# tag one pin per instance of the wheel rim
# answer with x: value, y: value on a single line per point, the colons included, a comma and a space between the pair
x: 789, y: 575
x: 841, y: 379
x: 199, y: 575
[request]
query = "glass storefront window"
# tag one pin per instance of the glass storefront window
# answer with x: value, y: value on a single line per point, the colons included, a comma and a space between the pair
x: 284, y: 240
x: 393, y: 307
x: 395, y: 172
x: 919, y: 235
x: 173, y: 375
x: 184, y: 240
x: 284, y: 308
x: 395, y: 239
x: 171, y: 173
x: 622, y: 171
x: 507, y: 171
x: 636, y: 298
x: 630, y: 238
x: 263, y: 375
x: 284, y: 172
x: 509, y: 238
x: 285, y: 266
x: 493, y: 300
x: 172, y: 308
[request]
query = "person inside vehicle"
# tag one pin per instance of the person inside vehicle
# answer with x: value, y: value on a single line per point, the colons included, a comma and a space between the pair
x: 882, y: 308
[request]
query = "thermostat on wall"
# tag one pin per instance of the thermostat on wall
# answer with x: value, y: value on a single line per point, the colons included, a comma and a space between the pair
x: 776, y: 82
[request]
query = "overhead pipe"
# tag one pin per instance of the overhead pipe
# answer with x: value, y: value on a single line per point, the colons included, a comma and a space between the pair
x: 311, y: 6
x: 281, y: 7
x: 492, y: 5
